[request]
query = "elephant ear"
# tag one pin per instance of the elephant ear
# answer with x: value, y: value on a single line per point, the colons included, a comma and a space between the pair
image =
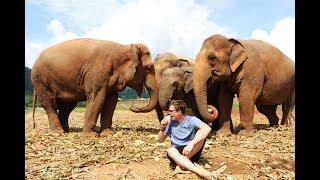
x: 182, y: 62
x: 238, y: 55
x: 141, y: 49
x: 188, y: 81
x: 136, y: 55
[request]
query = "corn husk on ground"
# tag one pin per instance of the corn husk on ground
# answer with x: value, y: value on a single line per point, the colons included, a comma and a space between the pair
x: 131, y: 151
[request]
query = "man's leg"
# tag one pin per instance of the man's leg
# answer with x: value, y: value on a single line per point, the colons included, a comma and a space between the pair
x: 184, y: 162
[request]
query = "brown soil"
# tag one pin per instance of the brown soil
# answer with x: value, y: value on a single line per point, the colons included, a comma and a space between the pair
x: 131, y: 151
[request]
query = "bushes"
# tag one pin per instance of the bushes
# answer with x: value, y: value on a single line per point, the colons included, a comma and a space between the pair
x: 28, y: 101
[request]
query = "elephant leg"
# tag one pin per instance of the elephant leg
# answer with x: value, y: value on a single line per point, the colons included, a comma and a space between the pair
x: 247, y: 97
x: 287, y: 108
x: 225, y: 107
x: 159, y: 112
x: 64, y: 110
x: 93, y: 108
x: 107, y: 113
x: 270, y: 112
x: 54, y: 122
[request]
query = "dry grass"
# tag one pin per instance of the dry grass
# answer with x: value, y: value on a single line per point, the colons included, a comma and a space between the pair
x: 132, y: 151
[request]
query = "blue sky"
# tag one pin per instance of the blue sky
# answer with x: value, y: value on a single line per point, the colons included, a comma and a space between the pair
x: 177, y: 26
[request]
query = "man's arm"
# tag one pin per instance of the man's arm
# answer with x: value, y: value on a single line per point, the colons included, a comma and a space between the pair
x: 202, y: 133
x: 161, y: 136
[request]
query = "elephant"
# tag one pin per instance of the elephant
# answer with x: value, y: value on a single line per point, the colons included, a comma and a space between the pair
x: 164, y: 61
x: 256, y: 71
x: 167, y: 60
x: 93, y: 70
x: 177, y: 83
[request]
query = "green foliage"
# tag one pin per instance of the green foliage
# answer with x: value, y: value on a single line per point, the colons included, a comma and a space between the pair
x: 80, y: 109
x: 27, y: 82
x: 28, y: 101
x: 235, y: 105
x: 129, y: 93
x: 81, y: 104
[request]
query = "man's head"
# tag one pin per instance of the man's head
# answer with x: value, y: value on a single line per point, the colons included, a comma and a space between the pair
x: 177, y: 109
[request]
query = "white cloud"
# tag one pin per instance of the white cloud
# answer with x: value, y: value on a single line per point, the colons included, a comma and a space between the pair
x: 177, y: 26
x: 59, y: 33
x: 33, y: 49
x: 282, y: 36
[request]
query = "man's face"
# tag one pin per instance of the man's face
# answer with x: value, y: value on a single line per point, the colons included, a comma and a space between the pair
x: 173, y: 113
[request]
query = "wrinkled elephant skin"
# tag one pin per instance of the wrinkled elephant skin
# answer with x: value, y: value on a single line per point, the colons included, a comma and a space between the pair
x: 257, y: 72
x: 95, y: 71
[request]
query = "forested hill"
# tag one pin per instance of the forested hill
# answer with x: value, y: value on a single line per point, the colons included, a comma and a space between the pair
x: 128, y: 93
x: 28, y: 88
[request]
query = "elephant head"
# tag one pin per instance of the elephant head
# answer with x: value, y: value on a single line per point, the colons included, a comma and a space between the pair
x: 168, y: 60
x: 217, y: 60
x: 174, y: 84
x: 144, y: 75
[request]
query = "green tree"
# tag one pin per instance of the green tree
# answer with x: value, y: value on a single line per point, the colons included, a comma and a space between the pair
x: 27, y: 82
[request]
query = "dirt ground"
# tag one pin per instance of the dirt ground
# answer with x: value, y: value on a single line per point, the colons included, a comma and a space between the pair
x: 131, y: 151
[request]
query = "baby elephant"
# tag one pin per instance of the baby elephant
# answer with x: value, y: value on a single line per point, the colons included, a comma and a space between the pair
x: 177, y: 83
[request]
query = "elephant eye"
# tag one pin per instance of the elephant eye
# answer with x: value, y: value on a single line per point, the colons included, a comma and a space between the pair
x: 213, y: 59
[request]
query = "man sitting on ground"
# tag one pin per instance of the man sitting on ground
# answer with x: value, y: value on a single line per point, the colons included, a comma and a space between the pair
x: 187, y: 135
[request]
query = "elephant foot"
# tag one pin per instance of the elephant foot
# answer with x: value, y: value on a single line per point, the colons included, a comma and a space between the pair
x: 106, y: 132
x: 274, y: 123
x: 246, y: 133
x: 90, y: 134
x: 286, y: 122
x: 57, y: 130
x: 66, y: 129
x: 224, y: 132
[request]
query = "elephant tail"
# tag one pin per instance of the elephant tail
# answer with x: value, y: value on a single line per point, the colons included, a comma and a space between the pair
x: 34, y: 108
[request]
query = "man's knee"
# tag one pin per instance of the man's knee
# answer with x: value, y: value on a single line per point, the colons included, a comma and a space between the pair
x: 171, y: 151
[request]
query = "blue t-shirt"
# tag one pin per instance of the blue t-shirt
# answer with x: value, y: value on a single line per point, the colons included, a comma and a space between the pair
x: 182, y: 133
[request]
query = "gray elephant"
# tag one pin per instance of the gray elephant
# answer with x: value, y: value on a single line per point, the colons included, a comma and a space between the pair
x: 177, y: 83
x: 95, y: 71
x: 168, y: 60
x: 165, y: 61
x: 259, y: 73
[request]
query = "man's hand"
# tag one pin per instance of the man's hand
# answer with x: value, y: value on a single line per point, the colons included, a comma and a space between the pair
x: 163, y: 124
x: 187, y: 149
x: 165, y: 121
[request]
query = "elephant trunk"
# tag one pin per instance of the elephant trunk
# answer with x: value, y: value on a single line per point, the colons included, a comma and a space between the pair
x: 152, y: 87
x: 201, y: 74
x: 165, y: 94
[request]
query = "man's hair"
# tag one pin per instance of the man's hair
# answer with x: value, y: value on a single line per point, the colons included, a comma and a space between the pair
x: 179, y: 105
